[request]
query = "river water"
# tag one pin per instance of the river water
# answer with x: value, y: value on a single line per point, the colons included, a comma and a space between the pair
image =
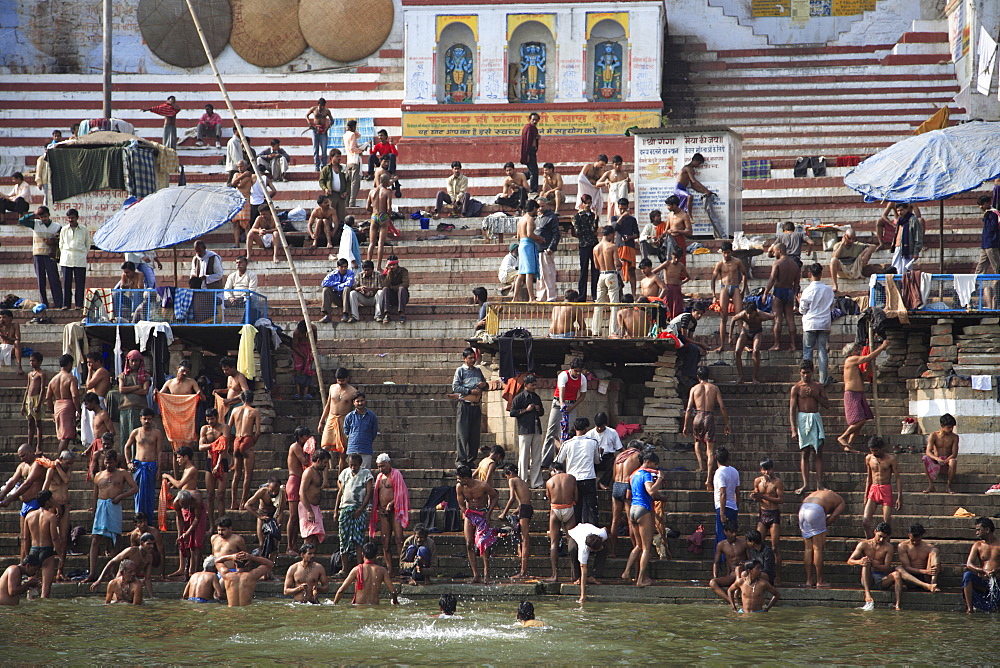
x: 84, y: 631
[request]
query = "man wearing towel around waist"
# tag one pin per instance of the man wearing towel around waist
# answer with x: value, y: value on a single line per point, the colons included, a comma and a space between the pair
x: 818, y: 510
x: 63, y: 399
x: 805, y: 422
x: 110, y: 486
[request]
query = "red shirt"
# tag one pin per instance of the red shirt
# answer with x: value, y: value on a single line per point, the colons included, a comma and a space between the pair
x: 384, y: 148
x: 572, y: 386
x: 165, y: 110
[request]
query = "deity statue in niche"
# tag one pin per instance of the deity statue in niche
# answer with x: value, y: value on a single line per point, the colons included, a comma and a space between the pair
x: 608, y: 71
x: 532, y: 72
x: 458, y: 75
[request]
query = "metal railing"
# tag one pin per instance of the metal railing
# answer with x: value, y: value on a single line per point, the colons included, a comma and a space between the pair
x: 943, y: 294
x: 576, y: 319
x: 183, y: 307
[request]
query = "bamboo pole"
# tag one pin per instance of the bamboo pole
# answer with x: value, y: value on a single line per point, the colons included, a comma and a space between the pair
x: 238, y: 128
x: 874, y: 370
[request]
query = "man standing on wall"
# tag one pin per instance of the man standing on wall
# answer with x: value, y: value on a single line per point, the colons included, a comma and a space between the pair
x: 169, y: 112
x: 529, y: 150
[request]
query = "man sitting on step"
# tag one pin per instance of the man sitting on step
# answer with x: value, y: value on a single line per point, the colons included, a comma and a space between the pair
x: 849, y: 258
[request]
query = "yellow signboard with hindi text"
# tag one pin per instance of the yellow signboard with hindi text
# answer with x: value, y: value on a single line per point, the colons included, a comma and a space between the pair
x: 503, y: 124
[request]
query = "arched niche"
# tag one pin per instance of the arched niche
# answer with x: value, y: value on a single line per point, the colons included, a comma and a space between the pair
x: 532, y: 62
x: 607, y: 62
x: 457, y: 65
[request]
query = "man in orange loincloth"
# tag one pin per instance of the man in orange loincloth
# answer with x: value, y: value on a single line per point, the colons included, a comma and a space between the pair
x: 214, y: 440
x: 245, y: 424
x: 63, y: 400
x: 339, y: 402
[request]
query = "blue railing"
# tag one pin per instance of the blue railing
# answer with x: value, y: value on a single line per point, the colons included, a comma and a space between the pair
x: 940, y: 295
x: 184, y: 307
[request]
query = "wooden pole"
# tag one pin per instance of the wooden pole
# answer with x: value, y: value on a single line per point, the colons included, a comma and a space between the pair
x: 107, y: 59
x: 238, y: 128
x: 941, y: 235
x: 875, y: 403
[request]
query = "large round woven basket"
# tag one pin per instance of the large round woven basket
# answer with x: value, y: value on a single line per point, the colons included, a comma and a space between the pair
x: 343, y: 30
x: 169, y: 32
x: 266, y: 32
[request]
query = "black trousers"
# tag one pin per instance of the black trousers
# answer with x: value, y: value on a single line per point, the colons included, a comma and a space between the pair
x: 73, y: 275
x: 586, y: 501
x: 587, y: 269
x: 468, y: 424
x: 532, y: 173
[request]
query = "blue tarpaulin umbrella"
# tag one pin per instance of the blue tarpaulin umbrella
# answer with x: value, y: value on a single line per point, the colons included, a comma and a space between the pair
x: 931, y: 166
x: 168, y: 217
x: 934, y: 165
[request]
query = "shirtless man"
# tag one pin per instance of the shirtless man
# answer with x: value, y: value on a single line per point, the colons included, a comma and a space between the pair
x: 874, y: 555
x: 57, y: 481
x: 306, y: 578
x: 214, y: 443
x: 141, y: 557
x: 617, y: 181
x: 477, y: 500
x: 735, y: 280
x: 10, y: 335
x: 783, y: 285
x: 590, y: 174
x: 608, y: 263
x: 687, y: 181
x: 142, y: 452
x: 367, y: 578
x: 700, y: 413
x: 267, y: 504
x: 856, y: 409
x: 241, y: 583
x: 339, y: 402
x: 728, y: 553
x: 633, y: 322
x: 679, y: 227
x: 818, y: 510
x: 651, y: 285
x: 561, y: 491
x: 310, y: 516
x: 527, y: 252
x: 567, y: 321
x: 942, y: 453
x: 674, y: 276
x: 191, y: 522
x: 11, y: 587
x: 806, y: 424
x: 225, y: 542
x: 245, y: 424
x: 552, y: 187
x: 750, y: 590
x: 919, y: 561
x: 515, y: 191
x: 63, y: 400
x: 204, y: 586
x: 42, y: 527
x: 99, y: 382
x: 981, y: 580
x: 520, y: 496
x: 262, y: 227
x: 242, y: 179
x: 645, y: 485
x: 627, y: 462
x: 321, y: 221
x: 189, y: 472
x: 125, y: 587
x: 769, y: 492
x: 111, y: 486
x: 182, y: 383
x: 297, y: 461
x: 100, y: 424
x: 236, y: 385
x: 751, y: 324
x: 378, y: 205
x: 33, y: 400
x: 391, y: 518
x: 24, y: 486
x: 158, y: 556
x: 881, y: 467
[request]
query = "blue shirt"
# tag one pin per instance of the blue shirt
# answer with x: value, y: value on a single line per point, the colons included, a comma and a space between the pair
x: 339, y: 281
x: 991, y: 231
x: 361, y: 429
x: 641, y: 497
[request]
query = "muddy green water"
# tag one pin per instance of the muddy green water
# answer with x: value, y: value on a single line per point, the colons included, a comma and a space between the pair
x: 84, y: 631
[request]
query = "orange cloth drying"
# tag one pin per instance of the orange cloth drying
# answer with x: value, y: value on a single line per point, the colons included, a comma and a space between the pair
x: 511, y: 388
x: 179, y: 412
x: 215, y: 450
x: 165, y: 504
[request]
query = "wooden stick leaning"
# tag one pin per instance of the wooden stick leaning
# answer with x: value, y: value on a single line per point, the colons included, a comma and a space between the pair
x: 238, y: 127
x: 875, y: 402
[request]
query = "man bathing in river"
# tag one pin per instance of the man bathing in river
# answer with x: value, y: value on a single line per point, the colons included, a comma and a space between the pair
x: 241, y: 583
x: 306, y: 578
x: 981, y: 580
x: 367, y: 578
x: 728, y: 553
x: 204, y: 586
x: 477, y: 500
x: 561, y: 491
x: 746, y: 594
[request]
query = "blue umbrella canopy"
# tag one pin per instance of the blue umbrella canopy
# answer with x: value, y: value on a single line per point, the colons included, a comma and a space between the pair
x: 934, y: 165
x: 168, y: 217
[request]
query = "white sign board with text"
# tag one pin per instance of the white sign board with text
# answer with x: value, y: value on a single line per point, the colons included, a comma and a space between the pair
x: 660, y: 155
